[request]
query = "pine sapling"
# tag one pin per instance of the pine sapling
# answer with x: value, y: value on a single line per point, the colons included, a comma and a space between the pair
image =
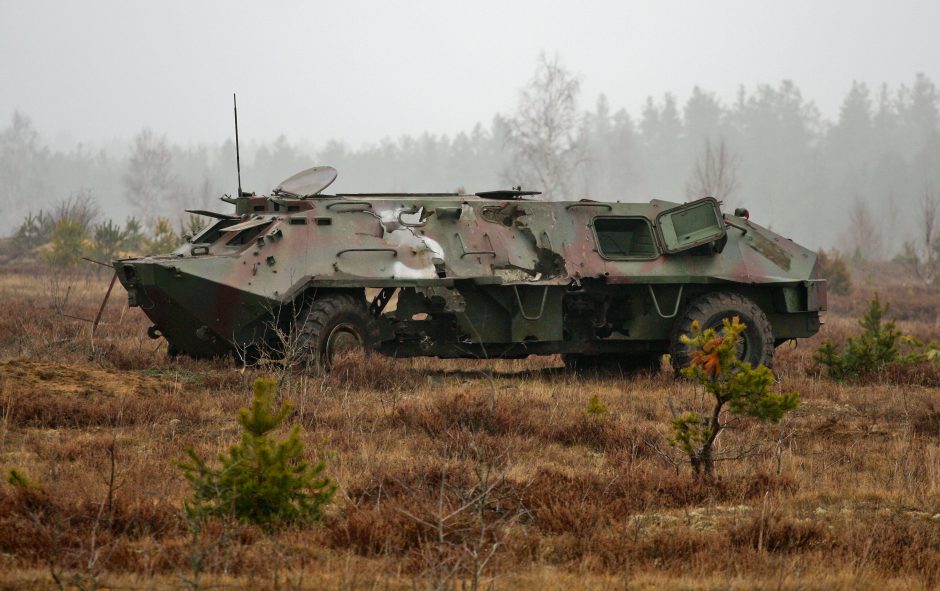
x: 260, y: 480
x: 879, y: 344
x: 733, y: 385
x: 595, y: 408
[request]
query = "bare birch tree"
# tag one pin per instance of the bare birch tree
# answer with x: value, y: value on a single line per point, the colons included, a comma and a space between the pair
x: 545, y: 134
x: 864, y: 237
x: 24, y: 169
x: 715, y: 174
x: 149, y: 182
x: 923, y: 254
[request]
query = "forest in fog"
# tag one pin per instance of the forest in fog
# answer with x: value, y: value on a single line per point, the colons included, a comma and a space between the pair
x: 858, y: 181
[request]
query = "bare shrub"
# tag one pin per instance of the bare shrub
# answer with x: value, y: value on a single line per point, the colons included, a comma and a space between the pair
x: 864, y: 233
x: 833, y: 268
x: 545, y: 132
x: 149, y: 182
x: 922, y: 255
x: 715, y: 174
x: 773, y: 531
x: 474, y: 411
x: 927, y: 421
x: 374, y: 372
x: 80, y: 207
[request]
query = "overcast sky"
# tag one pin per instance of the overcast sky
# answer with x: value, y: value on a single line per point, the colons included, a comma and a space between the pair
x: 361, y: 71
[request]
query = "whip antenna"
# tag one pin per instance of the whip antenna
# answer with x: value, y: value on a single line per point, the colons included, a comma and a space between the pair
x: 238, y: 160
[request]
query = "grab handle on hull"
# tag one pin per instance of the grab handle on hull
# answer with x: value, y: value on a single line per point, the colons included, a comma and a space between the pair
x: 656, y: 302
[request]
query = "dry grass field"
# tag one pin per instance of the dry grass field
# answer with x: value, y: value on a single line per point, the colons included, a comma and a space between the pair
x: 458, y: 474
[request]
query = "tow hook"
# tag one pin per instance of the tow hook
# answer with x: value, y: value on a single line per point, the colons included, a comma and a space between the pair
x: 153, y: 332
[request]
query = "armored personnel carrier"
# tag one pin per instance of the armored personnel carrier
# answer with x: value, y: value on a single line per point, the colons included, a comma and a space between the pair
x: 499, y: 274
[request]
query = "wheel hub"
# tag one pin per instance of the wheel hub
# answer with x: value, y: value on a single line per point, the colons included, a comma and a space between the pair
x: 743, y: 345
x: 343, y: 341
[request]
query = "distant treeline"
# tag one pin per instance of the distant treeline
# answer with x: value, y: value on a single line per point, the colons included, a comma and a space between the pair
x: 857, y: 182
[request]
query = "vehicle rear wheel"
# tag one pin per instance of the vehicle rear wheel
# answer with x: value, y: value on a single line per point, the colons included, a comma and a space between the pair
x: 757, y: 341
x: 337, y: 325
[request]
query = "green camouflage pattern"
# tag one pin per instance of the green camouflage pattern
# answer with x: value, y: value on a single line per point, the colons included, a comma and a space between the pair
x: 488, y: 275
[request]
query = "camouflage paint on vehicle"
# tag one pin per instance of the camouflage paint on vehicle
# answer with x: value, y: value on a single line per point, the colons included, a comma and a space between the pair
x: 490, y: 275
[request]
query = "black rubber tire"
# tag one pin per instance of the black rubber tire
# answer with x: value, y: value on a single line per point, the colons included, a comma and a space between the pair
x: 330, y: 317
x: 710, y: 310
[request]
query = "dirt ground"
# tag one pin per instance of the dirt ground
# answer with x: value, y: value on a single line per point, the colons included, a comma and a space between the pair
x: 843, y: 494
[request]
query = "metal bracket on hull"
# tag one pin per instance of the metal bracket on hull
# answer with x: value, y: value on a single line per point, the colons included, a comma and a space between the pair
x: 656, y: 302
x: 366, y: 204
x: 606, y: 206
x: 466, y: 252
x: 515, y: 289
x: 391, y: 250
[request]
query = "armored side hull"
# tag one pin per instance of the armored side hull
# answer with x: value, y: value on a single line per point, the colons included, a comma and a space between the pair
x: 473, y: 276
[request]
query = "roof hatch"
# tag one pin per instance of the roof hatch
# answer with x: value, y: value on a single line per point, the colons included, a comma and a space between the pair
x: 307, y: 183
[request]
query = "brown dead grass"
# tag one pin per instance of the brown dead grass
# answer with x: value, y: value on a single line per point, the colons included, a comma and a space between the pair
x: 845, y: 494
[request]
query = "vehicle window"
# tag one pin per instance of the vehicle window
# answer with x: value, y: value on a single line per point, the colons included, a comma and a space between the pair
x: 624, y: 238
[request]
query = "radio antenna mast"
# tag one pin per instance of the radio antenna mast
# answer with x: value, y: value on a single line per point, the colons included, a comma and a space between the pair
x: 238, y: 161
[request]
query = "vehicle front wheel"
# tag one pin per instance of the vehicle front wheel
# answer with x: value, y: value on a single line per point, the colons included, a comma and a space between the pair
x: 757, y: 341
x: 334, y: 326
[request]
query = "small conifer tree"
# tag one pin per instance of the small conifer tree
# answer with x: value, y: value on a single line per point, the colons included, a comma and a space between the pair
x: 68, y: 244
x: 595, y: 407
x: 261, y: 480
x: 133, y: 234
x: 19, y: 480
x: 34, y: 231
x: 745, y: 390
x: 108, y: 241
x: 880, y: 343
x: 164, y: 239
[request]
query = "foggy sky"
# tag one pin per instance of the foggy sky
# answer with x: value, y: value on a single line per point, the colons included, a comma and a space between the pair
x: 362, y: 71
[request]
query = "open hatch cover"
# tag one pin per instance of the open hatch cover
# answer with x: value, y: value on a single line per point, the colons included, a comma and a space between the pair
x: 212, y: 214
x: 691, y: 225
x: 507, y: 194
x: 307, y: 183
